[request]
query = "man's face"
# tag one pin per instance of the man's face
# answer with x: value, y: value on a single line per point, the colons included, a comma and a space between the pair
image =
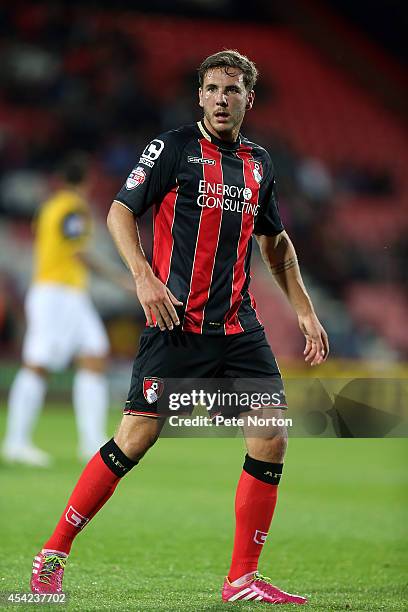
x: 224, y: 100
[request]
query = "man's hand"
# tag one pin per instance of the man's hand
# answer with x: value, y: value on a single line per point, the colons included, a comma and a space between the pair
x: 279, y: 255
x: 158, y: 301
x: 317, y: 343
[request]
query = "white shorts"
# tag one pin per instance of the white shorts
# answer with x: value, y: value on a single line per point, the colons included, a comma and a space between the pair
x: 62, y: 323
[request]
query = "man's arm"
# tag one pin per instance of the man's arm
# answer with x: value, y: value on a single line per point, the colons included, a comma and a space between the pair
x: 99, y: 268
x: 280, y: 257
x: 156, y: 299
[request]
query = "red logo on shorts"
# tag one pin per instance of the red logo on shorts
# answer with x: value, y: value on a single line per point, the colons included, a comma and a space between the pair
x: 152, y: 388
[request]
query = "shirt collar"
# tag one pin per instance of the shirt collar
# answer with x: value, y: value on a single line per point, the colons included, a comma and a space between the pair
x: 222, y: 144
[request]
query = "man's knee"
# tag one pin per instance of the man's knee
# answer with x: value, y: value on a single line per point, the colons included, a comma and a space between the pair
x: 270, y: 448
x: 136, y: 434
x: 92, y: 363
x: 39, y: 370
x: 279, y: 443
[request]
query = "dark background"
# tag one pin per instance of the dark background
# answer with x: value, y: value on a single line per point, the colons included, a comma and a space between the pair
x: 330, y: 107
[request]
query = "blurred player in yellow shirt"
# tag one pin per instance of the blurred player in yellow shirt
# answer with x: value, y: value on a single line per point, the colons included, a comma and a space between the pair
x: 63, y: 228
x: 62, y: 324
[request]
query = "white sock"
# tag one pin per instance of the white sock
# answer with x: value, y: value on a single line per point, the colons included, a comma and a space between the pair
x: 24, y: 404
x: 90, y: 395
x: 46, y: 551
x: 243, y: 579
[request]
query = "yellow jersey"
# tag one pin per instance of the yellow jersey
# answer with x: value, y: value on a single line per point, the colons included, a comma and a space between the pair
x: 62, y: 230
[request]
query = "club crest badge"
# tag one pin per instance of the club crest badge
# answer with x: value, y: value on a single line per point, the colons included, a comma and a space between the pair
x: 152, y: 389
x: 257, y: 170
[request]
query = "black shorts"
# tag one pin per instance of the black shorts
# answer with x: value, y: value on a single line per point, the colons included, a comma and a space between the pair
x: 179, y: 355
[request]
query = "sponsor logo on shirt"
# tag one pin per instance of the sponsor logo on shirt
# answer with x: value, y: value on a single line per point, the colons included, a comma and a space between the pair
x: 200, y: 160
x: 136, y: 178
x: 227, y: 197
x: 151, y: 153
x: 146, y: 162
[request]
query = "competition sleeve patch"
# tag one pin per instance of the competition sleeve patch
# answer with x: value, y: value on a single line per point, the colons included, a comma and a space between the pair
x: 152, y: 177
x: 136, y: 177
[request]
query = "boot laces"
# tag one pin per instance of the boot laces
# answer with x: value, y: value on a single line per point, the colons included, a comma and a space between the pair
x: 267, y: 586
x: 51, y: 564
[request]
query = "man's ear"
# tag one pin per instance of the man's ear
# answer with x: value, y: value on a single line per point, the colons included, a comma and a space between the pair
x: 200, y: 97
x: 250, y: 100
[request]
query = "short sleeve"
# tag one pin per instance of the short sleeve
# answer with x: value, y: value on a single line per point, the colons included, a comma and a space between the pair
x: 152, y: 177
x: 268, y: 221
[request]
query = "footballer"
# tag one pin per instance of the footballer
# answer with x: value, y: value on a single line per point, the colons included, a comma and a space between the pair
x: 211, y: 190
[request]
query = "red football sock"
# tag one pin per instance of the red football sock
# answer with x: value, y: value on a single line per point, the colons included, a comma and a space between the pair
x: 255, y: 503
x: 93, y: 489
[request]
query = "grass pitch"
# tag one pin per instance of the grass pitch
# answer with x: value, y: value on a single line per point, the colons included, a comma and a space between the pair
x: 163, y: 541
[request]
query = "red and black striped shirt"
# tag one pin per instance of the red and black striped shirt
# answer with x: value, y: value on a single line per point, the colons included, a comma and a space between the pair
x: 208, y: 198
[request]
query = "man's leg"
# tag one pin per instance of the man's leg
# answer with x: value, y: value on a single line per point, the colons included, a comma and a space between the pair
x: 102, y: 474
x: 91, y: 402
x: 93, y: 489
x: 24, y: 404
x: 255, y: 500
x: 254, y: 507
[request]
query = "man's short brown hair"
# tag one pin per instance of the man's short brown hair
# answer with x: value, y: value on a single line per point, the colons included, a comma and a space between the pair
x: 230, y: 59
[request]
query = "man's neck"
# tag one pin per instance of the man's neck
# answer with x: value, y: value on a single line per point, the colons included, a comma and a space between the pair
x: 226, y: 136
